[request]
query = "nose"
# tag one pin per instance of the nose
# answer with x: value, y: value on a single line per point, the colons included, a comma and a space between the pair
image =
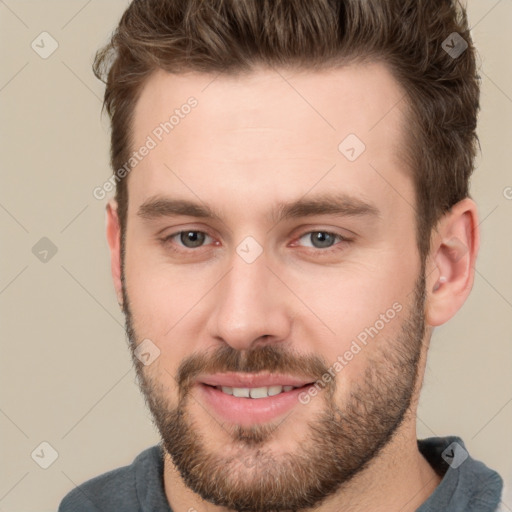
x: 251, y: 307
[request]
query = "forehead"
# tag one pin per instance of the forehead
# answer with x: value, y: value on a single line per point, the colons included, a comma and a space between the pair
x: 267, y: 127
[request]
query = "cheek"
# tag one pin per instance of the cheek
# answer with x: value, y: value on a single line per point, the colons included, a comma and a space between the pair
x: 367, y: 328
x: 159, y: 314
x: 356, y: 312
x: 160, y: 297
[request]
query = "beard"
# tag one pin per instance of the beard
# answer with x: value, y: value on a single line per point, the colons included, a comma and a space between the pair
x: 341, y: 441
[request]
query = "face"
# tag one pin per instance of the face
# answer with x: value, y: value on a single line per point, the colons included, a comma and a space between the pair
x: 276, y: 271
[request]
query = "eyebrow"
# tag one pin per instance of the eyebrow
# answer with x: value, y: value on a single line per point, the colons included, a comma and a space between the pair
x: 324, y: 204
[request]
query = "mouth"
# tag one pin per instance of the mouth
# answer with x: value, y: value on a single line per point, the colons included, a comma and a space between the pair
x: 250, y: 399
x: 262, y: 392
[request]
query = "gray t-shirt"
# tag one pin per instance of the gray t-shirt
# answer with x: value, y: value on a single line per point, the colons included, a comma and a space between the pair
x: 467, y: 485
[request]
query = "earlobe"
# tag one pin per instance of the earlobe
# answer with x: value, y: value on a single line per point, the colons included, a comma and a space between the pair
x: 113, y: 232
x: 452, y: 260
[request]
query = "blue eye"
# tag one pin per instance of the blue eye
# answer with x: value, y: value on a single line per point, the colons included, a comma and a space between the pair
x: 322, y: 239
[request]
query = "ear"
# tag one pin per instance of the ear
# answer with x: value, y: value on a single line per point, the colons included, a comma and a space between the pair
x: 114, y: 243
x: 451, y: 262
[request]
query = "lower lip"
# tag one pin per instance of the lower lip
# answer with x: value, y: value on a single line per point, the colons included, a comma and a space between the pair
x: 248, y: 411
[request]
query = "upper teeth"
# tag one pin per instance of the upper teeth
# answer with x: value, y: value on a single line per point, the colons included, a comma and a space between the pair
x: 255, y: 392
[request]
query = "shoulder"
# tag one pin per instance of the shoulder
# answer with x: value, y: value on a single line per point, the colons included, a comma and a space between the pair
x: 467, y: 484
x: 114, y: 490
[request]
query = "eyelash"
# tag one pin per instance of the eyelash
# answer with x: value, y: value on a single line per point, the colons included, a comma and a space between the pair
x: 167, y: 240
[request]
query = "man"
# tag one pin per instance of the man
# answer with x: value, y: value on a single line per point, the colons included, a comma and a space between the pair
x: 291, y: 222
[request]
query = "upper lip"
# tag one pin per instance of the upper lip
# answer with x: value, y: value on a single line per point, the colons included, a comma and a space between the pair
x: 247, y: 380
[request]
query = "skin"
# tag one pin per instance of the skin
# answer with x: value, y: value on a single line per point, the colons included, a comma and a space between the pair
x: 251, y: 143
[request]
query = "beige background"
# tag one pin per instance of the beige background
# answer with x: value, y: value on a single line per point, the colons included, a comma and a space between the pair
x: 66, y: 375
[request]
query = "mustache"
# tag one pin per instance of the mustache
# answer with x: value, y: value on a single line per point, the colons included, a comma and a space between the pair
x: 267, y: 358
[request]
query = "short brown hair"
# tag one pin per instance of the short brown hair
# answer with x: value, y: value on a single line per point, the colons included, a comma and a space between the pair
x: 232, y: 36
